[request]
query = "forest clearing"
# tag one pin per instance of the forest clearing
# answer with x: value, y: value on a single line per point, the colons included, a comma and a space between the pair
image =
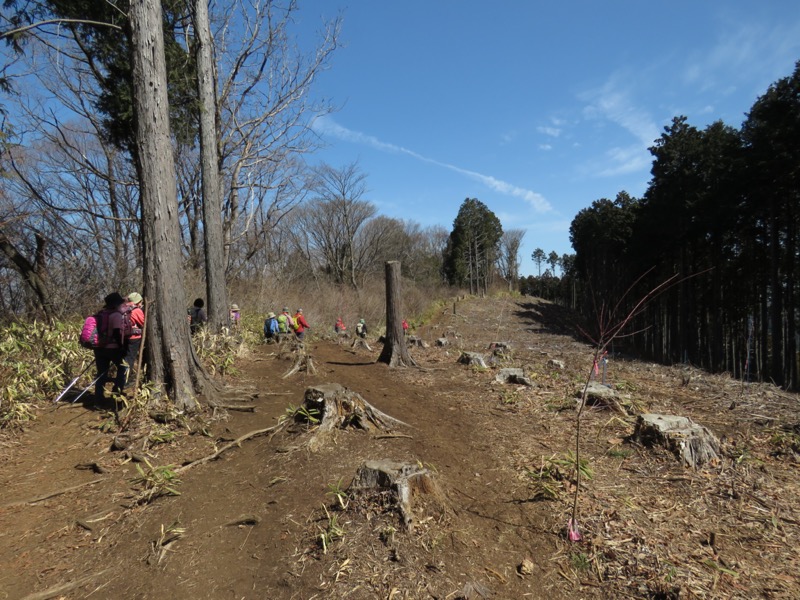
x: 254, y: 506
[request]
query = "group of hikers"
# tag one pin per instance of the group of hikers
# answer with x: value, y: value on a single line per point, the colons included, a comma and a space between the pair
x: 279, y: 327
x: 198, y: 317
x: 115, y: 334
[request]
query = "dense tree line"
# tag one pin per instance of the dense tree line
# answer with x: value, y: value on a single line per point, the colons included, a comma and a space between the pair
x: 719, y: 222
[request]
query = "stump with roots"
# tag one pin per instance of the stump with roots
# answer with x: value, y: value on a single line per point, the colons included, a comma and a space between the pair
x: 339, y: 408
x: 406, y: 482
x: 692, y: 443
x: 302, y: 362
x: 359, y: 342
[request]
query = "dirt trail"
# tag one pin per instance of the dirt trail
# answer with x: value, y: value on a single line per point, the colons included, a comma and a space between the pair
x: 250, y: 522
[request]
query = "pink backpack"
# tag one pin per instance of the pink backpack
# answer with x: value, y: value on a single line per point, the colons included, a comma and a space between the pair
x: 90, y: 333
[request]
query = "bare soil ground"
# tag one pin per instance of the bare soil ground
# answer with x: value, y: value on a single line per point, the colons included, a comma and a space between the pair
x: 252, y: 522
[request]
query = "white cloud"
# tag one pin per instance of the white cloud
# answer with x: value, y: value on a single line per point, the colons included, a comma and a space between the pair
x: 327, y: 126
x: 613, y: 102
x: 545, y: 147
x: 551, y: 131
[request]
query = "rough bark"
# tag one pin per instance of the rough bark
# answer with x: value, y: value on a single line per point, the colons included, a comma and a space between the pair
x: 395, y: 350
x: 171, y: 360
x: 34, y: 273
x: 217, y: 305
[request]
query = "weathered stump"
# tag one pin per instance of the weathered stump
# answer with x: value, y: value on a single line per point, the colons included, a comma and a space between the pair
x: 556, y: 364
x: 405, y: 481
x: 473, y: 358
x: 602, y: 396
x: 304, y: 362
x: 339, y: 408
x: 413, y: 340
x: 359, y: 342
x: 513, y: 376
x: 689, y: 441
x: 442, y: 342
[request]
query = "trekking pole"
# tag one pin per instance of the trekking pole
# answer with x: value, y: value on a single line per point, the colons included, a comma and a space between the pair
x: 72, y: 383
x: 90, y: 386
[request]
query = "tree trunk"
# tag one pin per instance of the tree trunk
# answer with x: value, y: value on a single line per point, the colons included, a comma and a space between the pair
x: 32, y: 273
x: 395, y: 350
x: 171, y: 360
x: 218, y: 314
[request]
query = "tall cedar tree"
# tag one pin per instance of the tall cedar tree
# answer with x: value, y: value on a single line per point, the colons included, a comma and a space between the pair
x: 472, y: 247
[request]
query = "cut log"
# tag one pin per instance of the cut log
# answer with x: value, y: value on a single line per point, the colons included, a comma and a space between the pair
x: 473, y: 358
x: 513, y: 375
x: 336, y: 407
x: 407, y: 482
x: 692, y: 443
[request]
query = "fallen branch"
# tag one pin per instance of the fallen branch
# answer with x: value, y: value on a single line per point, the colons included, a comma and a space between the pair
x: 395, y: 435
x: 227, y: 447
x: 239, y: 407
x: 51, y: 494
x: 58, y: 590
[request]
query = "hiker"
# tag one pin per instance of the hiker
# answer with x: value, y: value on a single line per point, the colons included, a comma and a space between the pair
x: 134, y: 342
x: 405, y: 327
x: 361, y: 329
x: 339, y: 326
x: 300, y: 324
x: 235, y: 316
x: 112, y: 350
x: 271, y: 328
x: 197, y: 316
x: 285, y: 322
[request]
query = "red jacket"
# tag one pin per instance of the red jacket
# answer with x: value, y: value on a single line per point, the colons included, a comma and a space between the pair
x: 302, y: 324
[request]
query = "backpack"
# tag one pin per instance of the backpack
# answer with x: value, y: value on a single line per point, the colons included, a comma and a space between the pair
x: 360, y: 329
x: 95, y: 333
x: 283, y: 323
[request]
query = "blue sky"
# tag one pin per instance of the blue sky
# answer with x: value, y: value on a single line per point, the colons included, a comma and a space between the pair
x: 537, y: 109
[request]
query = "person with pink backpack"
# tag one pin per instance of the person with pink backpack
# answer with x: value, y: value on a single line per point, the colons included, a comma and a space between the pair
x: 113, y: 329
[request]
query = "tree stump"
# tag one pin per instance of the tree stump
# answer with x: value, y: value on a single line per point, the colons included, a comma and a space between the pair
x: 405, y: 481
x: 395, y: 350
x: 692, y: 443
x: 339, y: 408
x: 513, y: 376
x: 359, y: 342
x: 303, y: 361
x: 600, y: 395
x: 556, y: 364
x: 473, y: 358
x: 413, y: 340
x: 442, y: 342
